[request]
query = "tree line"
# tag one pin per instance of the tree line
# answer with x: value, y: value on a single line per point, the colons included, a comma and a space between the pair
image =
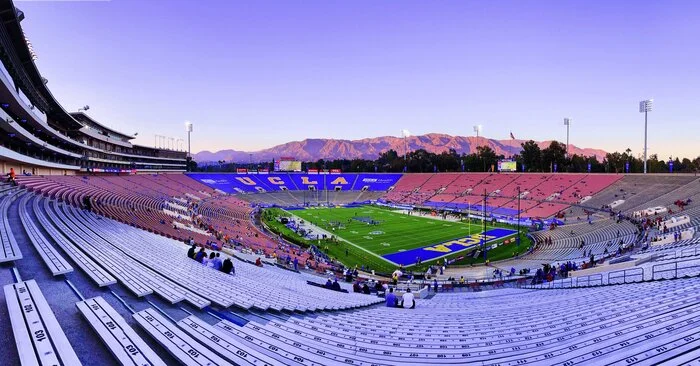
x: 532, y: 158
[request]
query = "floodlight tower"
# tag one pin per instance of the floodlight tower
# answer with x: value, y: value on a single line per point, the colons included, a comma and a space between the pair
x: 188, y: 128
x: 478, y: 129
x: 645, y: 107
x: 567, y: 123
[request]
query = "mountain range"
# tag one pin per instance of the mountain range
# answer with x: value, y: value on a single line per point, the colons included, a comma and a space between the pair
x: 370, y: 148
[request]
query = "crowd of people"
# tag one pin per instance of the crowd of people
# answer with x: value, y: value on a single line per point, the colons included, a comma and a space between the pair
x: 212, y: 260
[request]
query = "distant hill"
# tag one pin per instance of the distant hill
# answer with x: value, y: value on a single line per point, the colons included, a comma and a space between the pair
x: 370, y: 148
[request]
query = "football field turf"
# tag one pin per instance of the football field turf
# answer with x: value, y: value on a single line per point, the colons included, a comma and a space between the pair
x: 396, y: 237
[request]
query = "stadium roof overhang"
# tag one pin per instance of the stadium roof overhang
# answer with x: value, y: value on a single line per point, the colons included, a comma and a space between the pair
x: 18, y: 61
x: 82, y: 116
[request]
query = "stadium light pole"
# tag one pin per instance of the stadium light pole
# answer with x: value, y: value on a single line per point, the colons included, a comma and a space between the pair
x: 483, y: 226
x: 517, y: 238
x: 567, y: 123
x: 188, y: 128
x: 645, y: 107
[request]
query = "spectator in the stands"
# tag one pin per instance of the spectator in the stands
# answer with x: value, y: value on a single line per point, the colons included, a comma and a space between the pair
x: 210, y: 261
x: 378, y: 287
x: 336, y: 285
x: 356, y: 287
x: 227, y: 266
x: 11, y: 177
x: 365, y: 289
x: 216, y: 263
x: 191, y: 251
x: 201, y: 254
x: 391, y: 299
x: 296, y: 263
x: 408, y: 300
x: 329, y: 284
x: 258, y: 262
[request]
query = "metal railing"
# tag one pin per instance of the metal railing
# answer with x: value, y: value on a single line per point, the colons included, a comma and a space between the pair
x: 630, y: 275
x: 688, y: 267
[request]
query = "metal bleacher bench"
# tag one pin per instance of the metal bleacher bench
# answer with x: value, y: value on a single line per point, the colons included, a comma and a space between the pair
x: 10, y: 251
x: 180, y: 345
x: 122, y: 341
x: 223, y: 344
x: 53, y: 259
x: 40, y: 339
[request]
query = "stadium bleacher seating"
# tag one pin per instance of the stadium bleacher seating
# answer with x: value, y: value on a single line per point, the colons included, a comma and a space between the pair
x: 149, y: 304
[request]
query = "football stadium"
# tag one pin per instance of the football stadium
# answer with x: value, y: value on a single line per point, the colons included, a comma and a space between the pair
x: 119, y: 253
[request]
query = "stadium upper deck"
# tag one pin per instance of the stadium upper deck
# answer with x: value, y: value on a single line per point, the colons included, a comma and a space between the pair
x: 39, y: 136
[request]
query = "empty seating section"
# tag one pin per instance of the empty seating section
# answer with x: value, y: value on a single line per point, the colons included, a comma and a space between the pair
x: 40, y: 339
x: 10, y: 250
x: 96, y: 273
x: 599, y: 238
x: 289, y: 322
x: 53, y: 259
x: 178, y: 343
x: 116, y: 334
x: 256, y: 183
x: 542, y: 195
x: 649, y: 322
x: 407, y: 185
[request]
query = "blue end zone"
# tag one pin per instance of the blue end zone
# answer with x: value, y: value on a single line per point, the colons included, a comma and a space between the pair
x: 449, y: 247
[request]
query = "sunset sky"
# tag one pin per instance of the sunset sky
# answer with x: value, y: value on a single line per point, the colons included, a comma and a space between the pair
x: 254, y: 74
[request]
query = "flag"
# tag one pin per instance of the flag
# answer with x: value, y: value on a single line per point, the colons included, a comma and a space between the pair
x: 512, y: 136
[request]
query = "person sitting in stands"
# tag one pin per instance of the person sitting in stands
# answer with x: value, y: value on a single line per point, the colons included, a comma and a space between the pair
x: 258, y: 262
x: 216, y: 263
x: 391, y: 299
x: 336, y: 285
x: 210, y: 262
x: 11, y: 177
x: 365, y: 289
x: 201, y: 254
x: 227, y: 266
x: 329, y: 284
x: 408, y: 300
x: 191, y: 251
x: 356, y: 287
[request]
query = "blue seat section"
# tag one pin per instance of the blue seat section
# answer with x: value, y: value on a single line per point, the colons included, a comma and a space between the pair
x: 344, y: 181
x: 409, y: 257
x: 226, y: 182
x: 251, y: 183
x: 376, y: 181
x: 274, y: 182
x: 303, y: 181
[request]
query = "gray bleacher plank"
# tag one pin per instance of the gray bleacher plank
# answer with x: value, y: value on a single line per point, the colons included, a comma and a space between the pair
x: 222, y: 344
x: 130, y: 269
x: 98, y: 274
x: 39, y: 337
x: 124, y: 277
x: 122, y: 341
x: 189, y: 296
x: 10, y: 249
x: 291, y: 354
x: 177, y: 342
x: 56, y: 263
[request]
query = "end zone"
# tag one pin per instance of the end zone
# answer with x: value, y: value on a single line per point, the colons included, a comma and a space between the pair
x: 432, y: 252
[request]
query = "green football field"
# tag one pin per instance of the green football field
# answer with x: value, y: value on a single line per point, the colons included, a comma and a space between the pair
x: 395, y: 232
